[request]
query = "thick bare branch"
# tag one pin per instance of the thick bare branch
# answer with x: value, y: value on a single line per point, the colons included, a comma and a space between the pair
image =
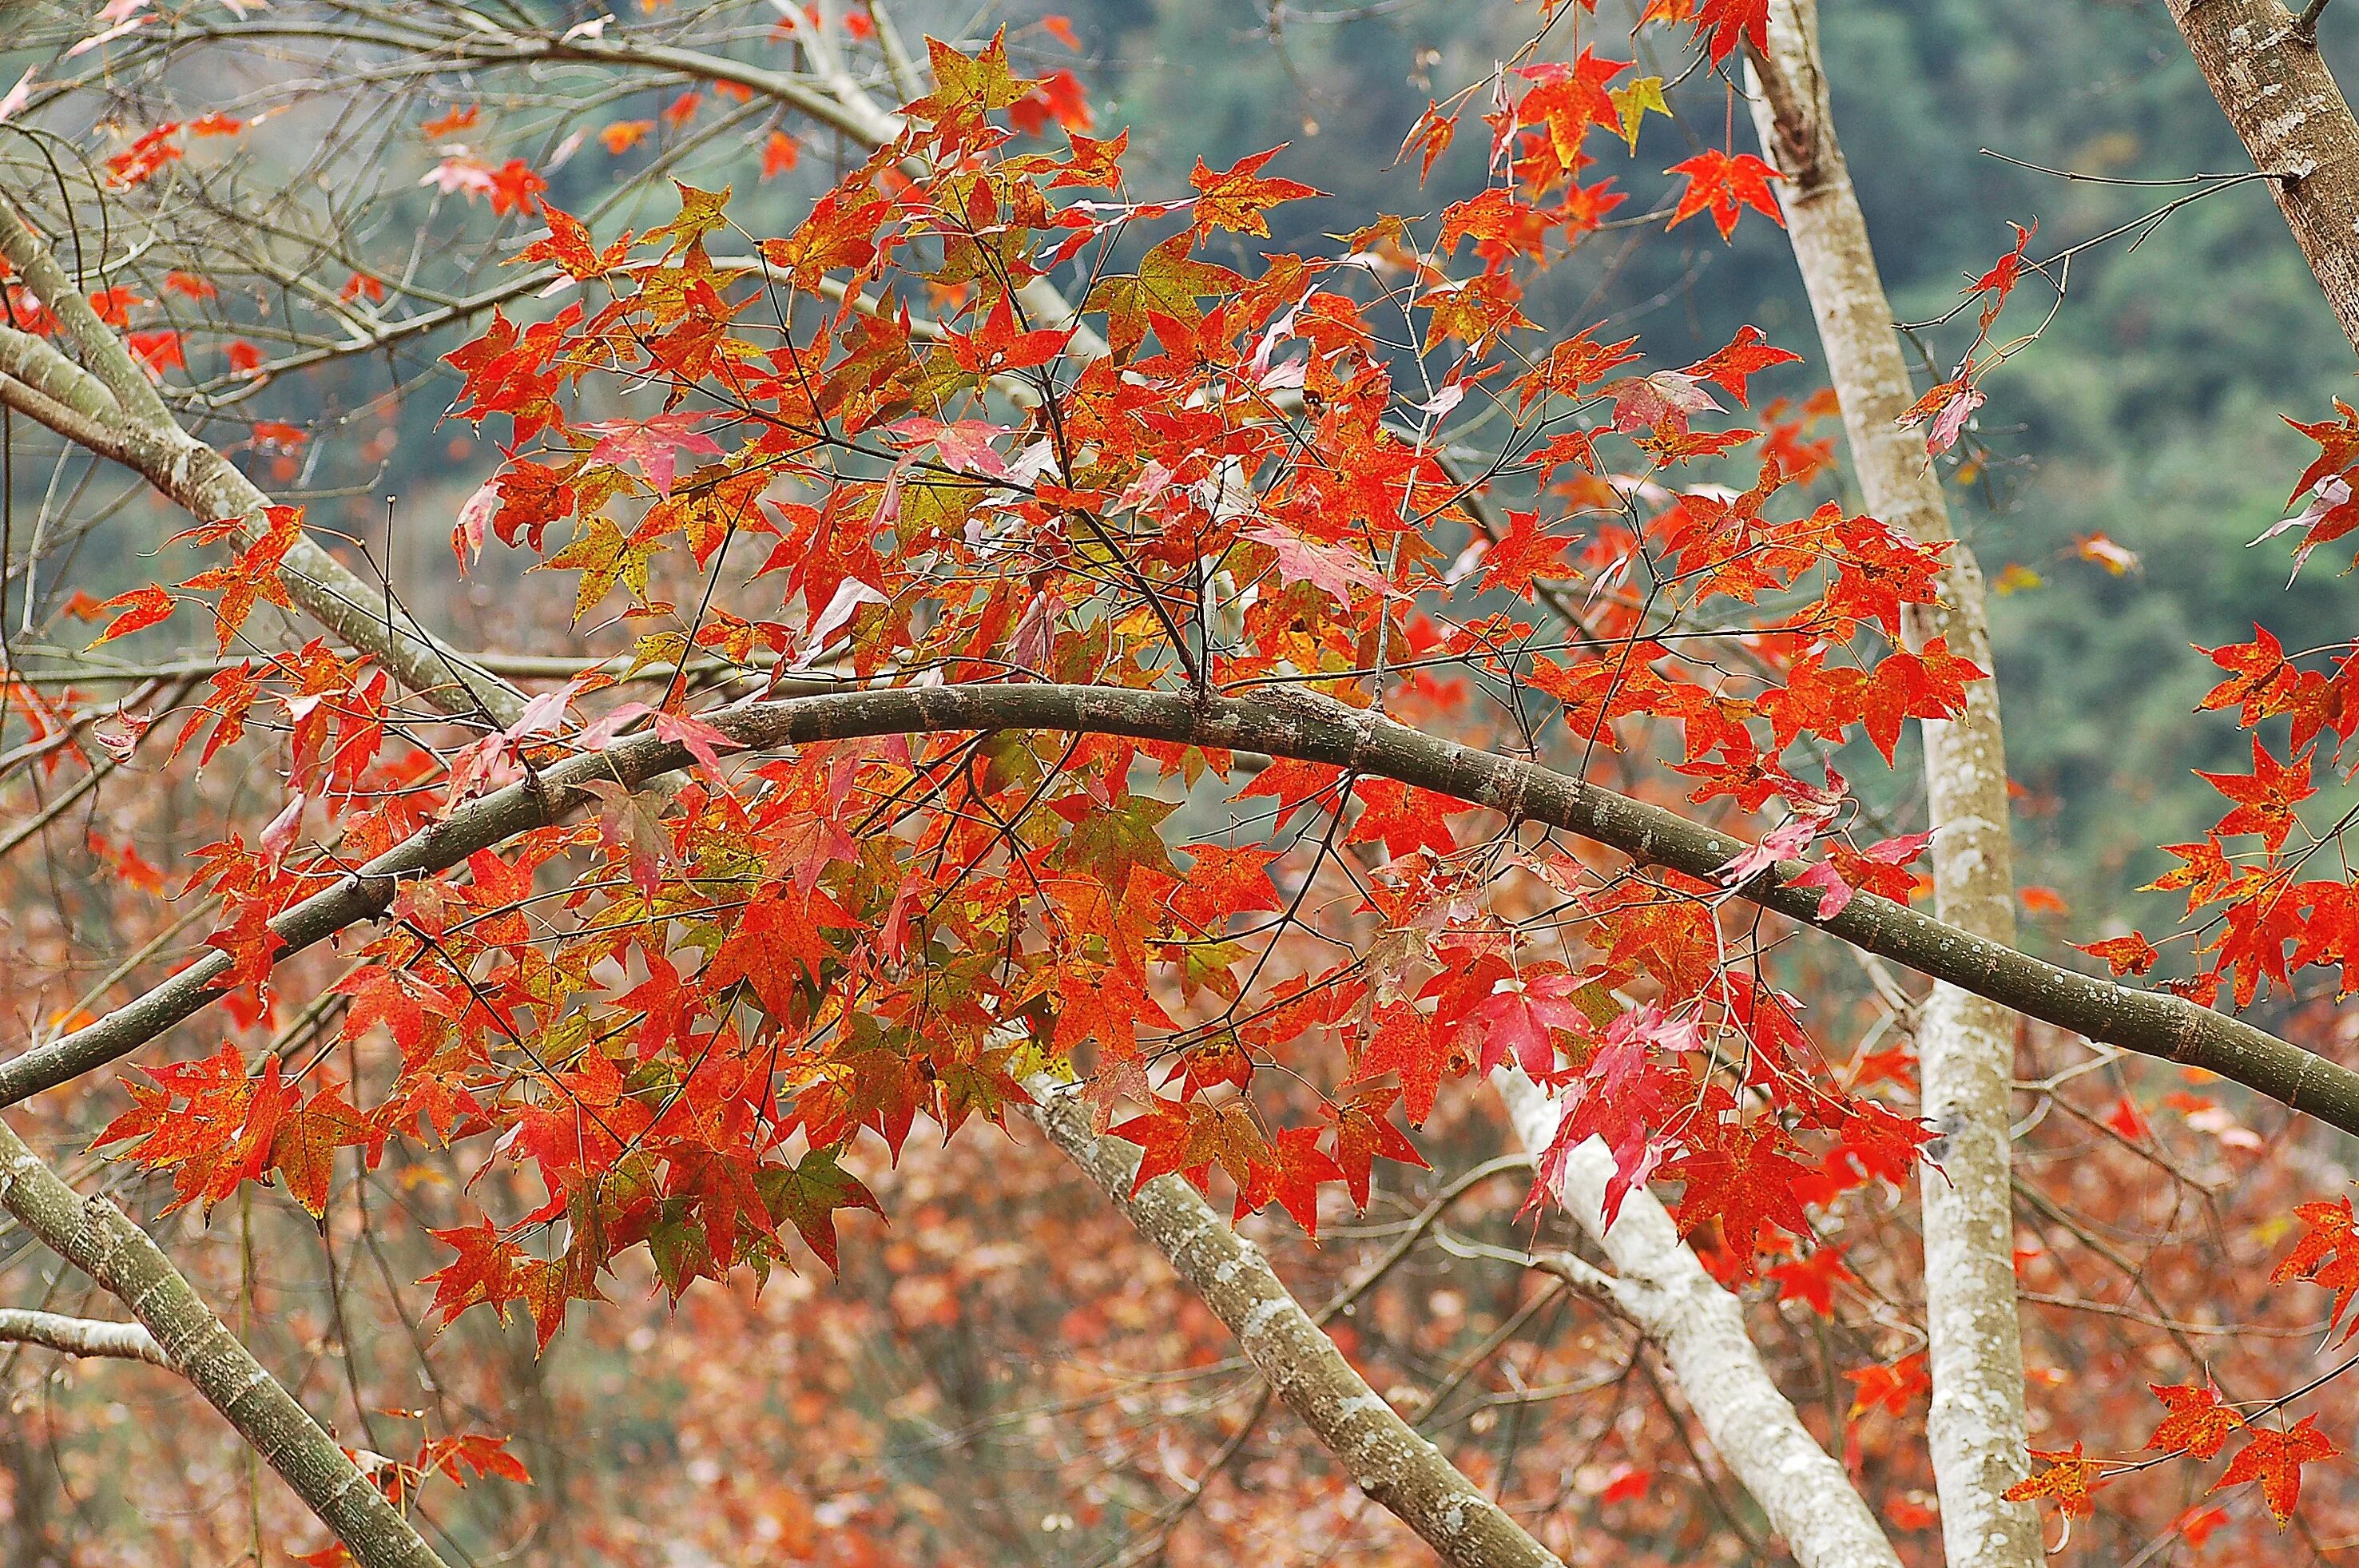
x: 1311, y: 730
x: 100, y: 1239
x: 1382, y: 1454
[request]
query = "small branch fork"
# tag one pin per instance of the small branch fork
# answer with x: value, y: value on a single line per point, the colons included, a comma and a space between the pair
x: 177, y: 1330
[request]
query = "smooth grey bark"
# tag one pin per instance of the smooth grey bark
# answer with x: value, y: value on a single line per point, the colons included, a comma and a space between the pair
x: 1965, y: 1042
x: 1660, y: 1284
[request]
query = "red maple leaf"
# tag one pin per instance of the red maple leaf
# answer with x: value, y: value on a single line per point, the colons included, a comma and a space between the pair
x: 1297, y: 1165
x: 253, y: 576
x: 1747, y: 354
x: 2198, y: 1422
x: 1741, y: 1176
x: 1813, y: 1278
x: 2064, y: 1474
x: 1729, y: 21
x: 1891, y: 1387
x: 1362, y: 1134
x: 1406, y: 1042
x: 2131, y: 954
x: 1724, y: 184
x: 2265, y: 798
x: 777, y: 947
x: 1523, y: 553
x: 2275, y: 1459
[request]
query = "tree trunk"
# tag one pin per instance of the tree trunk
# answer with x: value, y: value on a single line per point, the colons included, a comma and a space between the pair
x: 1661, y: 1284
x: 2273, y: 83
x: 98, y: 1238
x: 1966, y: 1044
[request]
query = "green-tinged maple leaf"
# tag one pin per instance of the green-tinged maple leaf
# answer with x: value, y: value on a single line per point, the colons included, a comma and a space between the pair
x: 1190, y: 1139
x: 1169, y: 282
x: 701, y: 212
x: 1632, y: 100
x: 809, y: 1193
x: 605, y: 557
x: 969, y: 84
x: 1111, y: 841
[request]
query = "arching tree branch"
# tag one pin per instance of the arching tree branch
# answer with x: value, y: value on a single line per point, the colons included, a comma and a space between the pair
x: 2151, y: 1023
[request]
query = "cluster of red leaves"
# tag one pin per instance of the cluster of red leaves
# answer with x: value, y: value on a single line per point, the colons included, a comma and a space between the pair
x: 852, y: 937
x: 2265, y: 921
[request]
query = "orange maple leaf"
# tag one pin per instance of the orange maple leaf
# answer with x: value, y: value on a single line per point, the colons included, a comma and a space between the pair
x: 1237, y: 197
x: 2275, y: 1459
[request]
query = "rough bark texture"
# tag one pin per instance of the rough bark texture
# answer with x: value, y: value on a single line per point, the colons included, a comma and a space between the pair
x: 2292, y: 118
x: 1965, y: 1042
x: 2152, y: 1023
x: 1699, y: 1327
x: 100, y: 1239
x: 109, y: 407
x: 1382, y: 1454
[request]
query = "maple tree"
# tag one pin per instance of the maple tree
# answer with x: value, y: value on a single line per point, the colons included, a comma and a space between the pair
x: 1036, y: 650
